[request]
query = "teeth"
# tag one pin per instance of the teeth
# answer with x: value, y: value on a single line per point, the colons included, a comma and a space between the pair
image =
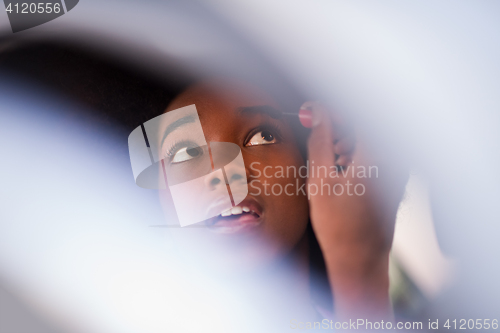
x: 236, y: 211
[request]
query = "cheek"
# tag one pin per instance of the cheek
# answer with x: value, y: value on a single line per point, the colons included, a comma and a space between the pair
x: 283, y: 193
x: 290, y: 209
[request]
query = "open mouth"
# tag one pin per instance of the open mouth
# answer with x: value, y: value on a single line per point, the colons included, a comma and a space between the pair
x: 244, y: 216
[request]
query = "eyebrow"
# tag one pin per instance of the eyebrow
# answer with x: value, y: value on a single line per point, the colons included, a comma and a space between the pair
x: 266, y: 109
x: 176, y: 124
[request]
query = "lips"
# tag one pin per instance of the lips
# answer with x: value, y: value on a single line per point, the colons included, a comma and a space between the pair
x: 243, y: 217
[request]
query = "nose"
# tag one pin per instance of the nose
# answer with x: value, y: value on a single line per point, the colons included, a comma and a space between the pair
x: 236, y: 173
x: 232, y: 174
x: 215, y: 180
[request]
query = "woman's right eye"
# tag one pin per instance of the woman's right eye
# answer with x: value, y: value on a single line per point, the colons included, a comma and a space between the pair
x: 186, y: 154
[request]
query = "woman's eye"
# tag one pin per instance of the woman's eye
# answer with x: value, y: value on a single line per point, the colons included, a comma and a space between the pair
x: 186, y: 154
x: 264, y: 137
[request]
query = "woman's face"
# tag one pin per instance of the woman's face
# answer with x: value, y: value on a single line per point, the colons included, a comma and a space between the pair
x: 272, y: 213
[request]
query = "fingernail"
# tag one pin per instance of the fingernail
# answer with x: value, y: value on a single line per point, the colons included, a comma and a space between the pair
x: 316, y: 117
x: 305, y: 117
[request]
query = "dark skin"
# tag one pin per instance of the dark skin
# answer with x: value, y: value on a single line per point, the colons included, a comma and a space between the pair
x: 218, y: 109
x: 354, y: 232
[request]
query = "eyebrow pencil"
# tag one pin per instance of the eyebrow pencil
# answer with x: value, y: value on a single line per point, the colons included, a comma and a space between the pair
x: 305, y: 117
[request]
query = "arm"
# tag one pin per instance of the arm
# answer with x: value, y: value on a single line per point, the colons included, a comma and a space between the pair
x: 354, y: 231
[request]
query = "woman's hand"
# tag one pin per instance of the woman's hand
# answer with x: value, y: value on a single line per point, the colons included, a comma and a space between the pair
x: 353, y: 213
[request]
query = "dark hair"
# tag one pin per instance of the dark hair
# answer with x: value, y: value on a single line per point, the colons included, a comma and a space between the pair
x: 118, y: 92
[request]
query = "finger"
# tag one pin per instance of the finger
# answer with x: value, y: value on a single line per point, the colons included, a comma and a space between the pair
x: 344, y: 160
x: 340, y: 127
x: 345, y: 146
x: 320, y: 143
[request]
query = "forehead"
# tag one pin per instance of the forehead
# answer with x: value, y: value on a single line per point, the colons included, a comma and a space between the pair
x: 222, y: 96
